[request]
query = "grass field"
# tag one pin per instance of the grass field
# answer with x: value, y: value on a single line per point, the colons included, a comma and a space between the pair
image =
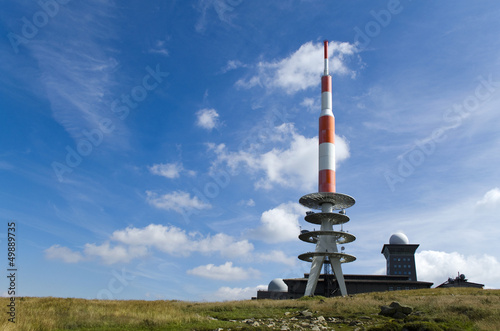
x: 434, y: 309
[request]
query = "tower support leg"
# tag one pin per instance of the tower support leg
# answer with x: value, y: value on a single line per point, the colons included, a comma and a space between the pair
x: 312, y: 281
x: 337, y: 270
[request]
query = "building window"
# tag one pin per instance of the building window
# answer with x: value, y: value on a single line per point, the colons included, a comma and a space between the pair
x: 391, y: 288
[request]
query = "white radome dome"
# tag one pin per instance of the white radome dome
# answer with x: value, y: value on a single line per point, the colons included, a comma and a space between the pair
x: 277, y: 285
x: 399, y: 239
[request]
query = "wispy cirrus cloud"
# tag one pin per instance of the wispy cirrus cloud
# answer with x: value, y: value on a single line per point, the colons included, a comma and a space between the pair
x: 224, y: 9
x: 75, y: 73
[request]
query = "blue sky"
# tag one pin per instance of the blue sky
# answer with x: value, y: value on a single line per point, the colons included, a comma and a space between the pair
x: 159, y: 150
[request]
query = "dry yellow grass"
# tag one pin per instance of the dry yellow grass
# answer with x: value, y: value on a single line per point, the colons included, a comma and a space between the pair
x: 452, y: 309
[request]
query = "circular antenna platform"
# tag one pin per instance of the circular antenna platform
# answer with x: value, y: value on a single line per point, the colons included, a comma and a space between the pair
x: 340, y: 237
x: 334, y: 218
x: 338, y: 200
x: 344, y: 258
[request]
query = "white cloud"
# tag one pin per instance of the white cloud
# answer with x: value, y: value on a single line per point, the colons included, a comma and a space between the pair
x: 175, y: 241
x: 311, y: 104
x: 178, y: 201
x: 133, y: 243
x: 300, y: 70
x: 278, y: 257
x: 159, y: 48
x: 225, y: 11
x: 167, y: 170
x: 232, y: 65
x: 227, y: 293
x: 437, y: 267
x: 77, y: 75
x: 224, y: 244
x: 294, y: 166
x: 111, y: 255
x: 168, y: 239
x: 280, y: 224
x: 56, y: 252
x: 224, y: 272
x: 490, y: 199
x: 207, y: 118
x: 248, y: 203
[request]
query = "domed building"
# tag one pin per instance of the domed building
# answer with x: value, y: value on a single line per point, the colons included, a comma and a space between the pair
x: 277, y: 289
x: 401, y: 275
x: 277, y: 285
x: 400, y: 256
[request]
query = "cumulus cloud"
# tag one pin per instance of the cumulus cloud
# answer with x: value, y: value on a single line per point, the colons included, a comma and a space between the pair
x: 299, y: 71
x: 437, y: 267
x: 224, y: 272
x: 175, y: 241
x: 116, y: 254
x: 276, y: 256
x: 490, y: 199
x: 125, y: 245
x: 280, y: 224
x: 207, y: 118
x: 57, y: 252
x: 178, y: 201
x: 289, y: 166
x: 168, y: 170
x: 237, y: 293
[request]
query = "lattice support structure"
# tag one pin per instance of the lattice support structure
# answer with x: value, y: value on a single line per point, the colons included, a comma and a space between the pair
x: 326, y: 239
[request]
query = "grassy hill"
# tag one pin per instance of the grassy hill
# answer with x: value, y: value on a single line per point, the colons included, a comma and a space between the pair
x: 433, y: 309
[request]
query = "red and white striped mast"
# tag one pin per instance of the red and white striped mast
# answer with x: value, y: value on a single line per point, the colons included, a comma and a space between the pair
x: 326, y: 200
x: 326, y: 180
